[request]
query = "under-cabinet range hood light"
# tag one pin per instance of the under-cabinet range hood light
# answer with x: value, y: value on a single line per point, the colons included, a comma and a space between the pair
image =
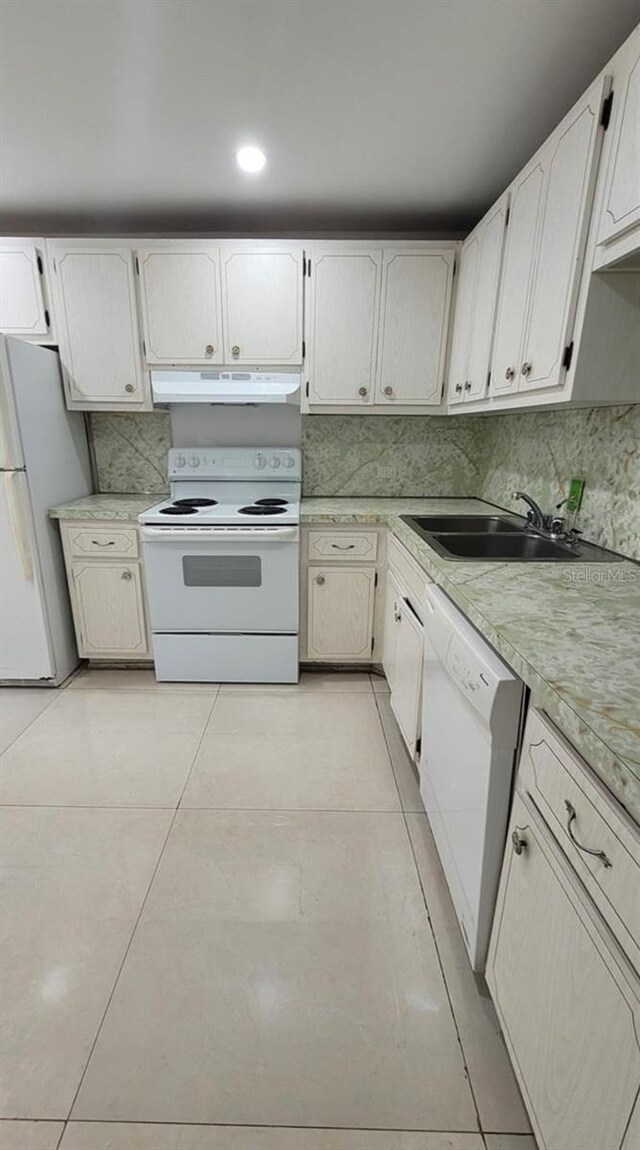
x: 239, y: 387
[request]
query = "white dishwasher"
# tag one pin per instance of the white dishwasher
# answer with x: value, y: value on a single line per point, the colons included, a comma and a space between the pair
x: 471, y: 714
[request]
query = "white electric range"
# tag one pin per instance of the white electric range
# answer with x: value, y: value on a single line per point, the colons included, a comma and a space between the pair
x: 222, y: 566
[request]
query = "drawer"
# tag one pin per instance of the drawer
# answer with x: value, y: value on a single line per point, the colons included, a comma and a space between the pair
x: 553, y: 773
x: 102, y: 541
x: 409, y: 574
x: 343, y: 545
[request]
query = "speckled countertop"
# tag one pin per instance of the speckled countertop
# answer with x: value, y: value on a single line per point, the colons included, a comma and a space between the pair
x: 105, y: 507
x: 572, y: 632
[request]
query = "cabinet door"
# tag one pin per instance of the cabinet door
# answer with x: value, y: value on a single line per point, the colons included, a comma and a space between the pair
x: 262, y: 305
x: 340, y: 612
x: 22, y: 306
x: 416, y: 299
x: 570, y: 168
x: 180, y: 299
x: 406, y: 691
x: 463, y: 319
x: 526, y: 199
x: 567, y: 1003
x: 99, y: 339
x: 393, y: 597
x: 622, y: 200
x: 491, y: 239
x: 344, y: 302
x: 109, y: 609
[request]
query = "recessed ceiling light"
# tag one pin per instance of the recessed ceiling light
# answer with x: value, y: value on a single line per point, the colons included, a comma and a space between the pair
x: 251, y: 159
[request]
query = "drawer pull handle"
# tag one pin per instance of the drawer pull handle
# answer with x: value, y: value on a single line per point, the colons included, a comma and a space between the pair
x: 518, y: 841
x: 343, y: 546
x: 571, y: 811
x: 97, y: 543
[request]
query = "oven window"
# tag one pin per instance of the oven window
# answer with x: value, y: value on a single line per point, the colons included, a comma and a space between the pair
x: 222, y: 570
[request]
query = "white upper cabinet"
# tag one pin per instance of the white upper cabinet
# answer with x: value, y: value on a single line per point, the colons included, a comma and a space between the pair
x: 23, y: 310
x: 95, y: 302
x: 262, y: 290
x: 621, y: 210
x: 550, y: 214
x: 180, y: 302
x: 416, y: 298
x: 475, y: 308
x: 342, y: 328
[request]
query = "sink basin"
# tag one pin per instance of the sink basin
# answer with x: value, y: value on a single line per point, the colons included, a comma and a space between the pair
x: 523, y: 546
x: 487, y: 524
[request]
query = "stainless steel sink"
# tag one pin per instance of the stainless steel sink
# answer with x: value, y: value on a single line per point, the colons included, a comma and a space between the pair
x: 523, y: 546
x: 500, y: 538
x: 486, y: 524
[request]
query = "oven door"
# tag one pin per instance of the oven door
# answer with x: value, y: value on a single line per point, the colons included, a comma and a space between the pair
x: 222, y: 579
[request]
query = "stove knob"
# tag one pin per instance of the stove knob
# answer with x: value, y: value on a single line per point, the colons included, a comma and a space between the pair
x: 260, y: 462
x: 288, y: 461
x: 180, y: 461
x: 194, y: 461
x: 274, y: 461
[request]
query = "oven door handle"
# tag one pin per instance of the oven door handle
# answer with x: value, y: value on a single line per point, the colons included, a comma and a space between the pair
x: 221, y: 534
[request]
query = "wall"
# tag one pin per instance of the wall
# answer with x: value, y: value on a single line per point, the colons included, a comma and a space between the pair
x: 540, y: 452
x: 396, y: 455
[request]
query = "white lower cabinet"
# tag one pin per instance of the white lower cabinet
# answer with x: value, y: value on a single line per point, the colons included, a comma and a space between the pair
x: 402, y: 653
x: 340, y: 612
x: 107, y: 596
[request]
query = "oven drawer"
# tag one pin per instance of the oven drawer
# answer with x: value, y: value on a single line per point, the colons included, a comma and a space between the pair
x: 226, y: 658
x: 343, y: 545
x: 106, y: 542
x: 560, y: 783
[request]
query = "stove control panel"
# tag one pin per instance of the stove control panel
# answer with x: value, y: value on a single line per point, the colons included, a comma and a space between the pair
x: 234, y: 462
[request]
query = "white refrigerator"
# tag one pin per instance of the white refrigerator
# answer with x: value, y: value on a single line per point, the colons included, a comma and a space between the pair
x: 44, y: 460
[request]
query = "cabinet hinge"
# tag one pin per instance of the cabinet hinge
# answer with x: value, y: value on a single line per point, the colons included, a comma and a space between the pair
x: 455, y: 266
x: 306, y: 389
x: 605, y: 117
x: 309, y: 266
x: 137, y: 267
x: 488, y: 379
x: 304, y: 349
x: 39, y: 263
x: 144, y: 348
x: 418, y: 744
x: 375, y: 579
x: 373, y: 643
x: 506, y: 218
x: 568, y: 356
x: 46, y: 317
x: 304, y: 266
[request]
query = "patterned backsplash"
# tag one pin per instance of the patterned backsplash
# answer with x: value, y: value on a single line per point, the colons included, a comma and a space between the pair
x: 400, y: 455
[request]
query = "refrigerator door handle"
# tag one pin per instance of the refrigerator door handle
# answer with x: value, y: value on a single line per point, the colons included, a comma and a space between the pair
x: 18, y: 518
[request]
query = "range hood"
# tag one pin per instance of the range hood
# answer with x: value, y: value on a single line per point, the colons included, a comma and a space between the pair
x: 229, y: 387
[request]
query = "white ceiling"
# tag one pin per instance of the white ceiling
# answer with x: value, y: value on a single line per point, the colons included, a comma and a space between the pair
x: 124, y: 115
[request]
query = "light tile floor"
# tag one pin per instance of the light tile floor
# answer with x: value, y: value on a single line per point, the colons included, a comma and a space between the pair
x: 225, y: 927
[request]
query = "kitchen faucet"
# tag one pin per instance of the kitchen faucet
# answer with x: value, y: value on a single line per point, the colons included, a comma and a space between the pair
x: 553, y: 525
x: 536, y: 515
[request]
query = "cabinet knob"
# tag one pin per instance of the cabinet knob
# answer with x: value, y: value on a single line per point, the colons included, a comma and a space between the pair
x: 320, y: 580
x: 509, y: 373
x: 362, y: 391
x: 388, y: 391
x: 235, y: 351
x: 467, y: 386
x: 526, y: 368
x: 209, y: 349
x: 126, y: 575
x: 128, y: 387
x: 458, y: 388
x: 518, y: 841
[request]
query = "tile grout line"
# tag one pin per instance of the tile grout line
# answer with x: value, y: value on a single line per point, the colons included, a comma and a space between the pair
x: 433, y: 933
x: 139, y: 915
x: 35, y: 718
